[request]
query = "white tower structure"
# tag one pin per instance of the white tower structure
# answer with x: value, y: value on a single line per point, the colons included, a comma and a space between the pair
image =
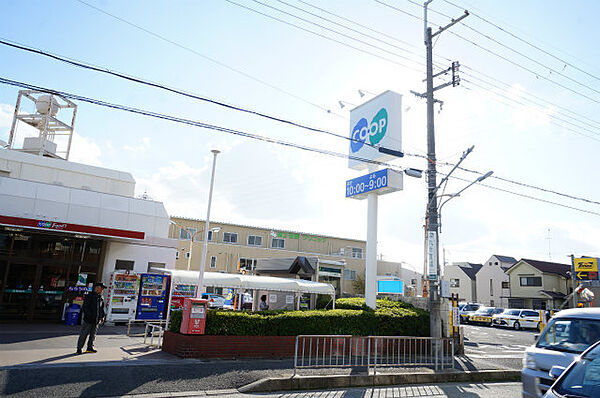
x: 55, y: 136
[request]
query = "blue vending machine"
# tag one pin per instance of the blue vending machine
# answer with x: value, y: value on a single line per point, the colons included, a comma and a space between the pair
x: 153, y: 297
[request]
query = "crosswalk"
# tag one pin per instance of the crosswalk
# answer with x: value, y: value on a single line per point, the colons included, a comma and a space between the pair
x: 492, y: 351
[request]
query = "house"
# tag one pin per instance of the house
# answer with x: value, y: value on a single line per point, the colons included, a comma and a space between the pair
x: 493, y: 287
x: 462, y: 278
x: 538, y: 284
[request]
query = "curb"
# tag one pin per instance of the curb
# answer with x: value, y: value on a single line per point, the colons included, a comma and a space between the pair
x: 181, y: 394
x: 345, y: 381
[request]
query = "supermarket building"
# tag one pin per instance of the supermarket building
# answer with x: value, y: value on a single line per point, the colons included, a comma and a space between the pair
x: 65, y: 225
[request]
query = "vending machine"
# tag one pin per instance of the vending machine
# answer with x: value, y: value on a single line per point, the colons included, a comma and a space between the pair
x: 180, y: 292
x: 122, y: 296
x: 153, y: 297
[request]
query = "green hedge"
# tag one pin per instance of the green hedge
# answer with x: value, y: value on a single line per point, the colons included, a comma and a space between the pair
x: 390, y: 319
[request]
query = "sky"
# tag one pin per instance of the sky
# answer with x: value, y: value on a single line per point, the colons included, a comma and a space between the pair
x: 538, y: 124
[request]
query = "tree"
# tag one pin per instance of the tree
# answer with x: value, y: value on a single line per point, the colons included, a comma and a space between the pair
x: 359, y: 284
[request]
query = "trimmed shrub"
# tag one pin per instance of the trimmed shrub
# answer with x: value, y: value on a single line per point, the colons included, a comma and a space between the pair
x: 390, y: 319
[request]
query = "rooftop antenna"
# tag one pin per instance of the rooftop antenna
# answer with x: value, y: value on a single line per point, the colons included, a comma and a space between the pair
x: 52, y: 131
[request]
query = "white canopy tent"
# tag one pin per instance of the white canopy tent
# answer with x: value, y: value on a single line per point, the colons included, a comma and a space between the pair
x: 248, y: 282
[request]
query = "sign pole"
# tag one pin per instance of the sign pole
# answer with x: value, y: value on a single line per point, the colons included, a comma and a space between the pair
x: 371, y: 261
x: 573, y: 281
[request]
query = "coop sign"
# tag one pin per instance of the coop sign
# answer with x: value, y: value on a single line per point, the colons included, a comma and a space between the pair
x: 376, y: 123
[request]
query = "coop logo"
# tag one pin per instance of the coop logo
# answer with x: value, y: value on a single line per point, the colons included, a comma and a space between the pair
x: 371, y: 133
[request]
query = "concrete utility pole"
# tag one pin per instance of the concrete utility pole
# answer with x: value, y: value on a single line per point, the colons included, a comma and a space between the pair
x: 431, y: 218
x: 215, y: 152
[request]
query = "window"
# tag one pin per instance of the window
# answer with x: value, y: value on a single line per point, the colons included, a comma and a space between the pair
x: 126, y: 265
x: 505, y: 285
x: 177, y: 255
x: 247, y: 264
x: 454, y: 282
x: 213, y: 262
x: 349, y: 275
x: 413, y: 282
x: 495, y: 262
x: 184, y: 235
x: 187, y: 255
x: 491, y: 287
x: 491, y: 303
x: 155, y: 265
x: 357, y: 252
x: 490, y: 263
x: 209, y: 235
x: 254, y: 240
x: 531, y: 280
x: 230, y: 237
x: 278, y: 243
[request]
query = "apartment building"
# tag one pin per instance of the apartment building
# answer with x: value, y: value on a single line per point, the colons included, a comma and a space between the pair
x: 271, y: 251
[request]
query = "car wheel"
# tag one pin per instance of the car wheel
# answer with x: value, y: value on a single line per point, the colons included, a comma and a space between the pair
x: 517, y: 325
x: 489, y: 324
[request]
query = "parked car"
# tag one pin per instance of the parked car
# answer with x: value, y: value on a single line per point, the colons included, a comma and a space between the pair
x: 518, y: 319
x: 214, y: 300
x: 483, y: 316
x: 581, y: 379
x: 568, y: 334
x: 466, y: 310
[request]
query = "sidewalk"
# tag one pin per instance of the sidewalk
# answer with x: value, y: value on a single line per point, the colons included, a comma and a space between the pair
x: 40, y: 360
x: 54, y: 344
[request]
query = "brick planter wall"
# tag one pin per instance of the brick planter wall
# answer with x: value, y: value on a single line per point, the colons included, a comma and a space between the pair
x: 206, y: 346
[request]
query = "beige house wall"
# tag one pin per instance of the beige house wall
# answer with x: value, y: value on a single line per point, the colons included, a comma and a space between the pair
x: 524, y: 269
x: 465, y: 289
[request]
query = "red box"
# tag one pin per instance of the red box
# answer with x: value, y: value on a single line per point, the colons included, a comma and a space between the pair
x: 194, y: 316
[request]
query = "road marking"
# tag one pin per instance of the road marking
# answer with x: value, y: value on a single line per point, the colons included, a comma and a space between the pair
x: 477, y: 356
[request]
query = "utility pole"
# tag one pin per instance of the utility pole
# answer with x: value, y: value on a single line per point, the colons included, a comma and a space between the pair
x: 431, y: 216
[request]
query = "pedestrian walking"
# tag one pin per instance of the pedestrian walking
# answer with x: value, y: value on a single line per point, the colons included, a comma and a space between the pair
x: 93, y: 314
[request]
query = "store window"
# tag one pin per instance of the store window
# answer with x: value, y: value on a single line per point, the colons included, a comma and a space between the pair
x: 254, y: 240
x: 277, y: 243
x: 126, y: 265
x: 349, y: 275
x: 230, y: 237
x: 530, y: 280
x: 357, y: 252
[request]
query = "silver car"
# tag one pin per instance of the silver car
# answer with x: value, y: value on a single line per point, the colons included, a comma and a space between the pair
x: 568, y: 334
x: 581, y: 379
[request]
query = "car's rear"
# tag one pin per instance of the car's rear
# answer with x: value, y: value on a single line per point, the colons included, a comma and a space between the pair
x: 567, y: 335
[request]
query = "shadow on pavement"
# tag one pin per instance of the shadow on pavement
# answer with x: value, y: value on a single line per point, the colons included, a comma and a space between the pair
x: 97, y: 381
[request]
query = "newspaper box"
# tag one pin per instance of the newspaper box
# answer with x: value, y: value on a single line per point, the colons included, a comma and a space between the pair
x: 194, y: 316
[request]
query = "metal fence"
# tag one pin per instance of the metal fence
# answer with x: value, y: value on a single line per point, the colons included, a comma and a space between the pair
x: 372, y: 352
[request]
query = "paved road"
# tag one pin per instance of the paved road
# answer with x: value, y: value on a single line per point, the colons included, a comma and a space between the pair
x: 497, y: 346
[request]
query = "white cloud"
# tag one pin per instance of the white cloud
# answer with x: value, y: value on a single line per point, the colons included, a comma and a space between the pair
x: 139, y: 148
x: 85, y: 150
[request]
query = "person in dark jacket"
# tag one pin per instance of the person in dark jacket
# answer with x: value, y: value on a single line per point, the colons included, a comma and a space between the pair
x: 93, y: 314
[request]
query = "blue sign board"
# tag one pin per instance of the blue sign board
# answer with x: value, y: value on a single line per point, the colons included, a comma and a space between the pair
x: 367, y: 183
x: 392, y: 287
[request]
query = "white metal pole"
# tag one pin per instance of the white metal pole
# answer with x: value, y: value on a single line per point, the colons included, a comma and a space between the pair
x: 207, y: 226
x: 371, y: 260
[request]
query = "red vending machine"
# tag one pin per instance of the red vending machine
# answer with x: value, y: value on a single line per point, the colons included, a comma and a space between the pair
x: 194, y: 316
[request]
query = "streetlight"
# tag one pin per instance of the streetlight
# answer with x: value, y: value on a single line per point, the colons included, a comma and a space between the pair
x: 454, y: 195
x: 215, y: 152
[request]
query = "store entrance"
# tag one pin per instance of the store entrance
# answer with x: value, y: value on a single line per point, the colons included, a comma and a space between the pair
x: 40, y: 273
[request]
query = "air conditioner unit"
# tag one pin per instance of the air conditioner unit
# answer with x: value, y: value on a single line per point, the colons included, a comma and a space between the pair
x: 343, y: 251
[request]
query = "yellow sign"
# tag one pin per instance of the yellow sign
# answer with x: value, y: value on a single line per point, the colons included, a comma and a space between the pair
x: 586, y: 265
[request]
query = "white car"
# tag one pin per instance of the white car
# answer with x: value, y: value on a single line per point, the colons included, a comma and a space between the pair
x: 518, y: 319
x: 568, y: 334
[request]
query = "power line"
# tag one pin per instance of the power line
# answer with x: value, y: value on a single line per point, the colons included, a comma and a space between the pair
x: 138, y: 80
x: 527, y: 42
x: 329, y: 38
x: 213, y: 60
x: 245, y: 134
x: 537, y: 75
x: 515, y: 51
x: 193, y: 123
